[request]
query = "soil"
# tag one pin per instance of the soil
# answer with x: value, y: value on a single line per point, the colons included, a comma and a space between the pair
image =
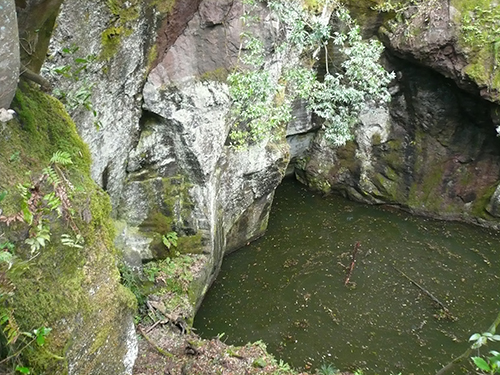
x: 188, y: 354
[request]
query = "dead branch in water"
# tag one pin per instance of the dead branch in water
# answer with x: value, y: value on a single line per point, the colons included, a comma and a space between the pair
x: 353, y: 262
x: 429, y: 294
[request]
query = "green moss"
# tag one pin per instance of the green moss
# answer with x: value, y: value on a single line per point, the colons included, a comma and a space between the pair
x: 157, y: 222
x: 152, y: 56
x: 423, y: 194
x: 217, y: 75
x: 44, y: 127
x: 111, y: 40
x: 376, y: 139
x: 347, y: 156
x: 394, y: 154
x: 163, y: 6
x: 125, y: 12
x: 190, y: 244
x: 477, y: 19
x: 480, y: 204
x: 170, y: 216
x: 54, y: 289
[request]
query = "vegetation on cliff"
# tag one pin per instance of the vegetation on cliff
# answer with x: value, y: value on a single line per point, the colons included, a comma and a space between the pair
x: 56, y: 225
x: 262, y: 100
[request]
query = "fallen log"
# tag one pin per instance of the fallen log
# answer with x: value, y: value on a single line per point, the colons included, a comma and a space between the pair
x: 353, y: 263
x: 429, y: 294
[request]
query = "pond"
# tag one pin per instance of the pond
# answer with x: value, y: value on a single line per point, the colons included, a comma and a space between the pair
x: 288, y: 288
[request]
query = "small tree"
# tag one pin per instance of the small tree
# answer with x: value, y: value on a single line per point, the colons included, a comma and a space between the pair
x: 262, y: 103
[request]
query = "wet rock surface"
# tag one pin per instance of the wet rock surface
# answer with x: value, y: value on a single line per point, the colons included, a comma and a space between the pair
x: 433, y: 150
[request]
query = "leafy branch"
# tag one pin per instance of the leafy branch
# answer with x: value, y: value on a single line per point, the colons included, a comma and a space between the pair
x: 262, y: 100
x: 479, y: 340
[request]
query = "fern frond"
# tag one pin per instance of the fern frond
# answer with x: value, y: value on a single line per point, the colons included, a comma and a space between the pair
x: 69, y: 241
x: 52, y: 176
x: 52, y: 202
x: 24, y: 191
x: 61, y: 158
x: 10, y: 328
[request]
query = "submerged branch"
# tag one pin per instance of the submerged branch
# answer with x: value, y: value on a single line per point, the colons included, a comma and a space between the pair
x: 353, y: 263
x: 429, y: 294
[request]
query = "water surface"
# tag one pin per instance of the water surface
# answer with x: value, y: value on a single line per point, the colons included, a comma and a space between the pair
x: 288, y: 287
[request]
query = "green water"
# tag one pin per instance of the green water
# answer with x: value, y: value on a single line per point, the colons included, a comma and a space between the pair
x: 288, y: 287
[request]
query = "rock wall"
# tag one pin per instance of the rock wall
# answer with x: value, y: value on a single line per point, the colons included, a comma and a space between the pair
x: 9, y: 52
x: 155, y: 113
x: 453, y: 38
x: 74, y: 290
x: 36, y: 20
x: 158, y: 125
x: 433, y: 149
x: 116, y: 42
x: 181, y: 169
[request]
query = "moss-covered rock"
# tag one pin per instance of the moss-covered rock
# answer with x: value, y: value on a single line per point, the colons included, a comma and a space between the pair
x: 73, y: 290
x: 440, y: 155
x: 453, y: 37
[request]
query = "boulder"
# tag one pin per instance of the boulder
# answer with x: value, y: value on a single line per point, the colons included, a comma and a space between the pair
x: 9, y: 53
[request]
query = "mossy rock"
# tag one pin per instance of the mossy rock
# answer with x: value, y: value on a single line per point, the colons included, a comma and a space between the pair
x: 125, y: 13
x: 74, y: 291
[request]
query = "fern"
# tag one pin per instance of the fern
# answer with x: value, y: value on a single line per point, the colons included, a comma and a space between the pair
x: 52, y: 176
x: 61, y: 158
x: 6, y: 257
x: 170, y: 239
x: 53, y: 202
x: 24, y: 190
x: 76, y: 243
x: 10, y: 328
x: 39, y: 238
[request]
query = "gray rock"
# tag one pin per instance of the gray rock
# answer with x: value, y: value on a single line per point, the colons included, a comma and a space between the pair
x: 493, y: 206
x: 434, y: 152
x: 116, y: 85
x: 9, y: 52
x: 431, y: 36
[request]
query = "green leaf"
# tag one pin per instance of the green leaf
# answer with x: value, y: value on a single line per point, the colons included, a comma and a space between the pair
x: 481, y: 363
x: 3, y: 318
x: 23, y: 370
x: 6, y: 257
x: 3, y: 194
x: 475, y: 336
x: 62, y: 158
x: 40, y: 335
x: 166, y: 242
